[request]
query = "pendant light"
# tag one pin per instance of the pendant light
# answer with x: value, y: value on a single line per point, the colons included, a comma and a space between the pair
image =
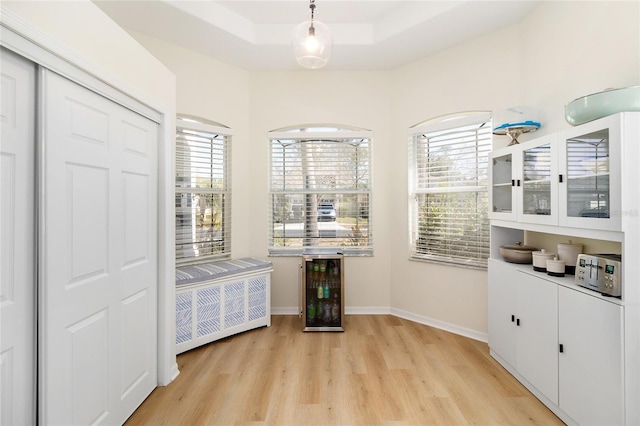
x: 312, y: 42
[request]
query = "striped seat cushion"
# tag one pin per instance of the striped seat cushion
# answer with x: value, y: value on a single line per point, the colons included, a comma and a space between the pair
x: 219, y: 269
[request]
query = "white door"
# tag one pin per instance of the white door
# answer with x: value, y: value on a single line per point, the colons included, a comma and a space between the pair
x: 17, y: 240
x: 503, y: 281
x: 537, y: 335
x: 591, y: 362
x: 98, y: 281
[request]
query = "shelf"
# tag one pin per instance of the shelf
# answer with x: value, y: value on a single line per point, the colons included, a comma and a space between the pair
x: 595, y: 234
x: 567, y: 281
x: 538, y: 181
x: 589, y: 176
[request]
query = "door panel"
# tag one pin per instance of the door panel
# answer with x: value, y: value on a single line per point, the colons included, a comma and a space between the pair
x: 99, y: 248
x: 537, y: 336
x: 503, y: 281
x: 17, y: 240
x: 592, y: 359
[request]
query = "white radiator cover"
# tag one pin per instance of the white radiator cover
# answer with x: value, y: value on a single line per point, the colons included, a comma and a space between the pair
x: 214, y: 309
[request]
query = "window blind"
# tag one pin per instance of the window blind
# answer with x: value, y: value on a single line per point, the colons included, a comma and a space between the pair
x: 203, y: 197
x: 320, y: 192
x: 448, y: 169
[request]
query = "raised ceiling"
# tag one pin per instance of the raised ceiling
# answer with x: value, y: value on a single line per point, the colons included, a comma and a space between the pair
x: 368, y: 34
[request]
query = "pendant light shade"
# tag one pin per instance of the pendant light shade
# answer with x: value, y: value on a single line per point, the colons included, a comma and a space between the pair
x: 312, y: 42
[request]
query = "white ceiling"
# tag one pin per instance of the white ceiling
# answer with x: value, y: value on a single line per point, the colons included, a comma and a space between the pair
x: 368, y: 34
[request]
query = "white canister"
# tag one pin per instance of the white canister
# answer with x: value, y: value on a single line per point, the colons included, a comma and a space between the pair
x: 569, y: 254
x: 555, y: 267
x: 540, y: 260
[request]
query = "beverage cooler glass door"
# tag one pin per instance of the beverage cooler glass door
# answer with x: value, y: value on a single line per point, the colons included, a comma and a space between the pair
x: 322, y: 291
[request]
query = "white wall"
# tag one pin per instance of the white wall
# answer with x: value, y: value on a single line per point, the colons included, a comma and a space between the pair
x: 360, y: 99
x: 252, y: 104
x: 478, y: 75
x: 213, y: 90
x: 563, y: 50
x: 574, y: 48
x: 83, y: 29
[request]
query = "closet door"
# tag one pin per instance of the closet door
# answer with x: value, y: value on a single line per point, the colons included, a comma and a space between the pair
x: 17, y: 240
x: 99, y: 253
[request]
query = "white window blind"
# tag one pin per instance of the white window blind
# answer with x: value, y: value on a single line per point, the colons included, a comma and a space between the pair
x: 203, y: 196
x: 448, y: 190
x: 320, y: 191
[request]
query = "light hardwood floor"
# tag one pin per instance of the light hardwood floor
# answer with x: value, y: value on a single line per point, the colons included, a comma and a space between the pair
x: 381, y: 370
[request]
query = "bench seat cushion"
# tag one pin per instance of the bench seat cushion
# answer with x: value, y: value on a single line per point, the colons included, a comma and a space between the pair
x: 202, y: 272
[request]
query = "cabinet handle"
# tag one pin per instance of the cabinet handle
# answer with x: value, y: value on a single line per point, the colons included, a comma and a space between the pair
x: 561, y: 348
x: 513, y: 182
x: 518, y: 181
x: 513, y: 318
x: 518, y: 322
x: 560, y: 178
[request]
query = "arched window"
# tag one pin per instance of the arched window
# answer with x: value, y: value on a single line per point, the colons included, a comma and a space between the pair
x: 320, y: 190
x: 448, y: 198
x: 203, y: 190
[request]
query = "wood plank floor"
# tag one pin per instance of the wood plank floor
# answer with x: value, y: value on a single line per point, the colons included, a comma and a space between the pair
x: 381, y: 370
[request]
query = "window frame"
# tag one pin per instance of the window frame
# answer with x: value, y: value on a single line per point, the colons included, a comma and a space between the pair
x: 450, y: 122
x: 203, y: 128
x: 361, y: 241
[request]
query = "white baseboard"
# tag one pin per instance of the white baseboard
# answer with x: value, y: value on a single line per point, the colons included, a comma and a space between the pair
x: 375, y: 310
x: 366, y: 310
x: 348, y: 310
x: 284, y: 311
x: 442, y: 325
x: 174, y: 371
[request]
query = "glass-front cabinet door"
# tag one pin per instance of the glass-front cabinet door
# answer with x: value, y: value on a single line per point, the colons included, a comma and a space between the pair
x: 539, y: 193
x: 503, y: 185
x: 590, y: 187
x: 523, y: 185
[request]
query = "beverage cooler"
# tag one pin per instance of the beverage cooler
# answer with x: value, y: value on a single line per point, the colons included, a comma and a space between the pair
x: 322, y: 292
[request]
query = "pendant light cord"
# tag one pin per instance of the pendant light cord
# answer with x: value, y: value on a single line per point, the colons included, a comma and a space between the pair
x: 312, y: 6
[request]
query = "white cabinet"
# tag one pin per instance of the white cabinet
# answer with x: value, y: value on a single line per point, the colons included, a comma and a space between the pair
x: 523, y: 325
x: 569, y: 179
x: 591, y: 359
x: 523, y: 182
x: 563, y: 343
x: 589, y: 175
